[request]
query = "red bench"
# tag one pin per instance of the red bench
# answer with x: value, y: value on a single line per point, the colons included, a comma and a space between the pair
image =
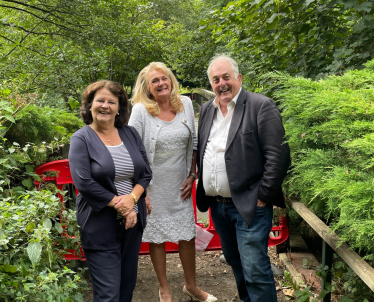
x: 60, y: 171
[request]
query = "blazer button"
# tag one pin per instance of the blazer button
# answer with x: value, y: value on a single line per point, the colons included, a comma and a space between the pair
x: 184, y: 121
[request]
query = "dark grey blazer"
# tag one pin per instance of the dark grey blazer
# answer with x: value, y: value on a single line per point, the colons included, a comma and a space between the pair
x: 93, y: 172
x: 257, y: 159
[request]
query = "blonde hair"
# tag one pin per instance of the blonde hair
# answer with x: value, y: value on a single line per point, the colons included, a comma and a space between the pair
x: 141, y: 90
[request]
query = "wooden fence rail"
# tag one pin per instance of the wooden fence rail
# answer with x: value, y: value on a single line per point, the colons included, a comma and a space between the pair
x: 355, y: 262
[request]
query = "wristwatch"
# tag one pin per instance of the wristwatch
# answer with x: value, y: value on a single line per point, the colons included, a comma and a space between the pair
x: 193, y: 174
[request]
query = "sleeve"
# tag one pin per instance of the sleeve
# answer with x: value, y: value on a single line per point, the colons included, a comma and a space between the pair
x: 276, y: 152
x: 194, y: 138
x: 146, y: 175
x: 80, y: 167
x: 137, y: 119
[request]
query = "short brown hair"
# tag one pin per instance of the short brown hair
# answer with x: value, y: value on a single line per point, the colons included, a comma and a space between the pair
x: 117, y: 90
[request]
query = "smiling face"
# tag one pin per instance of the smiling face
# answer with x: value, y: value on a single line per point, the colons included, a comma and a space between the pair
x: 159, y: 84
x: 223, y: 82
x: 104, y: 107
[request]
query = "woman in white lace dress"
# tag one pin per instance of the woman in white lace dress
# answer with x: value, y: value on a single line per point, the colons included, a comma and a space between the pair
x: 166, y: 124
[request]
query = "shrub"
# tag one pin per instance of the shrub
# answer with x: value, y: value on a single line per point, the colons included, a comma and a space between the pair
x: 31, y: 245
x: 31, y: 263
x: 42, y: 124
x: 330, y: 128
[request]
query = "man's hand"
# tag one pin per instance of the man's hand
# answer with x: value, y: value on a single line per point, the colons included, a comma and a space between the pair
x: 260, y: 204
x: 124, y: 204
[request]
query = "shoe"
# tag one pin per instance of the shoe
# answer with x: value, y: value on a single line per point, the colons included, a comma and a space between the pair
x: 193, y: 298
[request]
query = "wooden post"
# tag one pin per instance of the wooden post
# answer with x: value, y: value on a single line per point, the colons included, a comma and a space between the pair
x: 355, y: 262
x: 327, y: 253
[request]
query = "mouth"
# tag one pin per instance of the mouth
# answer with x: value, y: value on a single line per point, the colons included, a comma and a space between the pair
x: 162, y: 89
x: 224, y: 90
x: 105, y: 113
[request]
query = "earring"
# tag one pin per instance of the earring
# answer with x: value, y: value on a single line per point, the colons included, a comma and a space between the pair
x: 118, y: 113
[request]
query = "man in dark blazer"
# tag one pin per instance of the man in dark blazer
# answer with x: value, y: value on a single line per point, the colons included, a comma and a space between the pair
x: 242, y: 161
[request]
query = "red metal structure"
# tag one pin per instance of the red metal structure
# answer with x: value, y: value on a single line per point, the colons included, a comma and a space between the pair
x: 61, y: 176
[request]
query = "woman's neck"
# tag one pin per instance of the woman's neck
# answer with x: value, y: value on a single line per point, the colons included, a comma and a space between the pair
x: 164, y: 104
x: 104, y: 129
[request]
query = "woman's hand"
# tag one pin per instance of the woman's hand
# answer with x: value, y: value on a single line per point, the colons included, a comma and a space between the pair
x: 131, y: 220
x: 124, y: 204
x: 148, y: 205
x: 187, y: 187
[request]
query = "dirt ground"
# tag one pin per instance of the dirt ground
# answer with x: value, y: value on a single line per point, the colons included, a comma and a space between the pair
x: 213, y: 276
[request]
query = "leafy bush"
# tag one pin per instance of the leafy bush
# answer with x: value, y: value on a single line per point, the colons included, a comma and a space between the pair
x: 32, y: 267
x: 37, y: 124
x: 330, y: 128
x: 31, y: 245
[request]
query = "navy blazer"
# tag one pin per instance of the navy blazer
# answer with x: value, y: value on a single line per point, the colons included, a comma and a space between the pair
x: 256, y: 157
x: 93, y: 172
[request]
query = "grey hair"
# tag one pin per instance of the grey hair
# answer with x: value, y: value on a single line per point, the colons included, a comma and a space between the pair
x: 218, y: 57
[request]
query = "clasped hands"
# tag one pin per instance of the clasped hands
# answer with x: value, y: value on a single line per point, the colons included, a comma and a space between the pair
x: 124, y: 204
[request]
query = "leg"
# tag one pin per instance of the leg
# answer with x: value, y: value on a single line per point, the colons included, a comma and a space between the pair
x: 253, y: 248
x: 129, y: 255
x: 105, y: 272
x: 187, y: 255
x: 225, y: 228
x: 158, y: 257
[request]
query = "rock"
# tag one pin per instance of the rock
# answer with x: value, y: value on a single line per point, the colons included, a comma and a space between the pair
x: 276, y: 271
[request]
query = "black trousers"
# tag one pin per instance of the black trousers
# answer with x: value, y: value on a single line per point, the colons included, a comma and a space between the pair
x: 113, y: 272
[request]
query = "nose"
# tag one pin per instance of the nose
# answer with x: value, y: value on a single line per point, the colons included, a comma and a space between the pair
x: 221, y: 82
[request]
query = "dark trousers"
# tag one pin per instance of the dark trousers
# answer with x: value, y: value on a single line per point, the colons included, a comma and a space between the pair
x: 245, y: 250
x: 113, y: 272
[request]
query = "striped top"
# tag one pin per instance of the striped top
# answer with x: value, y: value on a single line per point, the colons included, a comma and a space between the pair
x: 124, y: 172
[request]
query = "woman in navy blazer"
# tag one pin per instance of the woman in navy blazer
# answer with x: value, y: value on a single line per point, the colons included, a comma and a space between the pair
x: 109, y: 167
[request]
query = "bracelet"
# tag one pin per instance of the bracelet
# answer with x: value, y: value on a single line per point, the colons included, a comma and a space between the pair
x: 193, y: 174
x: 135, y: 199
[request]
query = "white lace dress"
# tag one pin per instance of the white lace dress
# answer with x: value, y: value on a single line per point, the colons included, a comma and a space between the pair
x: 169, y: 148
x: 171, y: 219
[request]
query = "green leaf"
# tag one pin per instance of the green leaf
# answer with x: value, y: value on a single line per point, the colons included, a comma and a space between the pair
x: 47, y: 223
x: 34, y: 251
x: 9, y: 268
x: 30, y: 227
x: 58, y: 227
x: 27, y: 183
x: 307, y: 2
x: 10, y: 118
x: 73, y: 103
x: 35, y: 130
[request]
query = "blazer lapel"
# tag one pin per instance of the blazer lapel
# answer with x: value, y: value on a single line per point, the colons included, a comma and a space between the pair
x: 205, y: 130
x: 236, y: 118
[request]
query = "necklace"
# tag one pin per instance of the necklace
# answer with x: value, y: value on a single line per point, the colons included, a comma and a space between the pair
x: 105, y: 136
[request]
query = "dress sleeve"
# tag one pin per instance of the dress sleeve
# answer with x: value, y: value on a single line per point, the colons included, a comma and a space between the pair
x: 146, y: 175
x: 137, y: 119
x: 80, y: 167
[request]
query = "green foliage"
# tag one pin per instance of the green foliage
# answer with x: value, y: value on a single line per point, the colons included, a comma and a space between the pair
x: 31, y: 249
x: 32, y: 239
x: 42, y: 124
x: 307, y: 38
x: 329, y: 125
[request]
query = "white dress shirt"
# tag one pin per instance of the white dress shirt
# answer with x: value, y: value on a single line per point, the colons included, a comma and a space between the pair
x: 215, y: 176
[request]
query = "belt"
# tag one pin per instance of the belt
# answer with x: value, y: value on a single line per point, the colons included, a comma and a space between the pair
x: 223, y: 199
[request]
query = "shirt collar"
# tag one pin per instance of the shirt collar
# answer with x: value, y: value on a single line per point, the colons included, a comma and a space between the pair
x: 232, y: 102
